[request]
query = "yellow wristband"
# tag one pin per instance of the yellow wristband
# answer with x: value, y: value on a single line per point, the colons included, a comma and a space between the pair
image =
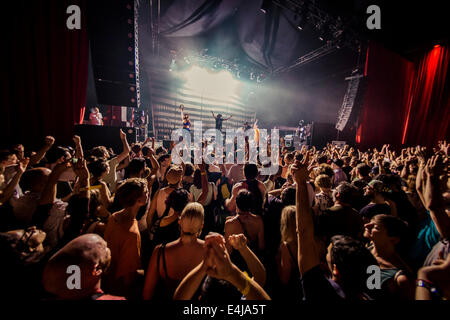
x: 247, y: 285
x: 203, y: 173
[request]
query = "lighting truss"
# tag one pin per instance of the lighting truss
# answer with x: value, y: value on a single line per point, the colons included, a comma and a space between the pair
x: 328, y: 48
x: 339, y: 34
x: 236, y: 69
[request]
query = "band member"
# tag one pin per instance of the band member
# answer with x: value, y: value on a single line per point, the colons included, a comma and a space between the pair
x: 256, y: 129
x: 185, y: 119
x: 247, y: 126
x: 95, y: 117
x: 219, y: 120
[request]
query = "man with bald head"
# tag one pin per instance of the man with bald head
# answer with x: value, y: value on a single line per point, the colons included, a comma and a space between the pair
x: 91, y: 255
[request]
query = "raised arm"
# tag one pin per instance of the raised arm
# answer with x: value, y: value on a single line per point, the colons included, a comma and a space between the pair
x: 434, y: 201
x: 239, y: 242
x: 81, y: 204
x: 190, y: 284
x: 205, y: 189
x: 308, y: 256
x: 11, y: 187
x: 78, y: 147
x: 213, y: 115
x: 224, y: 269
x: 36, y: 158
x: 49, y: 193
x: 126, y: 147
x: 182, y: 112
x: 231, y: 116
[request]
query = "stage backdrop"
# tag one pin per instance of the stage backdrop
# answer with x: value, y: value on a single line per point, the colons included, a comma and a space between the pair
x: 169, y: 92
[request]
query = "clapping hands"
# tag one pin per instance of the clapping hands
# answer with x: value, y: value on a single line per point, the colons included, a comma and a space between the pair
x: 217, y: 262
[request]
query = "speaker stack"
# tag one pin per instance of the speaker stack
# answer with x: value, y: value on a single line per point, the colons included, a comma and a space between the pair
x: 111, y: 28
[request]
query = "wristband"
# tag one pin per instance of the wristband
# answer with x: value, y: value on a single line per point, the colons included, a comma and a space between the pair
x: 90, y: 188
x: 429, y: 286
x: 247, y: 285
x: 203, y: 173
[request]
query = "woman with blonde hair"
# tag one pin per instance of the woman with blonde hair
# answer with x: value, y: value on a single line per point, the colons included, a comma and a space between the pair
x: 290, y: 287
x: 170, y: 263
x: 323, y: 199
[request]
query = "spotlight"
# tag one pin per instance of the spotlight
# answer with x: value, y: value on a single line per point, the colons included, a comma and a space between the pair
x: 265, y: 5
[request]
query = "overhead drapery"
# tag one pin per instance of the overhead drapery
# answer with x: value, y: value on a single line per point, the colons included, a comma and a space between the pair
x: 46, y: 67
x: 428, y: 108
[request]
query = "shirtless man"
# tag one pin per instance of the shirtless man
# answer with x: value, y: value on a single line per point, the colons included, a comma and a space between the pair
x: 246, y: 223
x: 91, y: 254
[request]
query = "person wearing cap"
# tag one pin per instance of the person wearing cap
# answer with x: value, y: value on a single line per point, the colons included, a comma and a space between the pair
x: 375, y: 191
x: 339, y: 174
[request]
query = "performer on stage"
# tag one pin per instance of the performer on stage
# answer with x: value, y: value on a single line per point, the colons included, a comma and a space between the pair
x: 256, y: 129
x: 95, y: 117
x: 219, y: 120
x: 185, y: 119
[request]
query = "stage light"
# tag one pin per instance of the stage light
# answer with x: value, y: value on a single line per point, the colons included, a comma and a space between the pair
x: 220, y: 84
x: 265, y: 5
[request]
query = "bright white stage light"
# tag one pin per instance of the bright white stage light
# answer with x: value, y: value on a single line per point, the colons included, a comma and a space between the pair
x: 220, y: 84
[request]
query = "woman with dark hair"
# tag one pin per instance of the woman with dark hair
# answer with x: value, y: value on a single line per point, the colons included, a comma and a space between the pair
x: 98, y: 169
x: 387, y: 235
x: 196, y: 189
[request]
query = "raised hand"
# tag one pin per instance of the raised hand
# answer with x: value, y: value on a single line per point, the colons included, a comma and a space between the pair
x: 299, y: 172
x: 49, y: 141
x: 237, y: 241
x: 80, y: 169
x: 76, y: 140
x: 223, y: 267
x: 23, y: 164
x: 122, y: 134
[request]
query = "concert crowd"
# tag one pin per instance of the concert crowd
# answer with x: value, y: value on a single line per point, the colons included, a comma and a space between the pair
x: 334, y: 223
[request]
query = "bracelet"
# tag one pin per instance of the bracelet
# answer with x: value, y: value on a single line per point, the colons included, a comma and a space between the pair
x: 247, y: 285
x: 90, y: 188
x: 428, y: 285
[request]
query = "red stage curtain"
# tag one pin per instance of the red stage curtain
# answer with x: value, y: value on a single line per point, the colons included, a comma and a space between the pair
x: 428, y: 108
x: 405, y: 104
x: 389, y: 80
x: 46, y: 68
